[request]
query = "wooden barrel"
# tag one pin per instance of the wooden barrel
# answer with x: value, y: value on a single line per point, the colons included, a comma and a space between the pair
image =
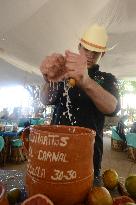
x: 60, y: 163
x: 3, y: 198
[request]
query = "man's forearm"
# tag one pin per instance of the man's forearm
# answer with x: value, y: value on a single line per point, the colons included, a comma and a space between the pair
x: 48, y: 93
x: 103, y: 100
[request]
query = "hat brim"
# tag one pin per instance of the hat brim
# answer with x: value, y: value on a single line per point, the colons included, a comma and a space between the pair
x: 95, y: 48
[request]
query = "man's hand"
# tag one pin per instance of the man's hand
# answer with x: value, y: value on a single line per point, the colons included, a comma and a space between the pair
x: 76, y: 66
x: 53, y: 67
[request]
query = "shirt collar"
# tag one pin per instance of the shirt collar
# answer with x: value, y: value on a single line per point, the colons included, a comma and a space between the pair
x: 92, y: 70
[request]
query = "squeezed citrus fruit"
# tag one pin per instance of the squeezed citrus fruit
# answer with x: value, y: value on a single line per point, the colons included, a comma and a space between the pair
x: 72, y: 82
x: 38, y: 199
x: 122, y: 200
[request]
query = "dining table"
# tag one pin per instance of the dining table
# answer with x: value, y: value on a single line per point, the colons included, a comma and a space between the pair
x: 9, y: 137
x: 16, y: 179
x: 12, y: 133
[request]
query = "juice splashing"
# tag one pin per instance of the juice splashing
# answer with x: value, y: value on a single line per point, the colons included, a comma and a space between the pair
x: 54, y: 87
x: 68, y: 100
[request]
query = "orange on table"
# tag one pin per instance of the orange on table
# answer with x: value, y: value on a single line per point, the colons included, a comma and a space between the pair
x: 14, y: 195
x: 99, y: 196
x: 130, y: 184
x: 110, y: 178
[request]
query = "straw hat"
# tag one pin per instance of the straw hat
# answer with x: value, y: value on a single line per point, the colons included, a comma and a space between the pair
x: 95, y: 39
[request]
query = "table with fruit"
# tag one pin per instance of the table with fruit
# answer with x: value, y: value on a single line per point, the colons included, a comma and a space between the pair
x: 114, y: 190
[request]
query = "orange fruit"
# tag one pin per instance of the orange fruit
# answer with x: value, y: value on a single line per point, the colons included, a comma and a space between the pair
x: 99, y: 196
x: 38, y: 199
x: 3, y: 198
x: 110, y: 178
x: 72, y: 82
x: 122, y: 200
x: 130, y: 184
x: 14, y: 195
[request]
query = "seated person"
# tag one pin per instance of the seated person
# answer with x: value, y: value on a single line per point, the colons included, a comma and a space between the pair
x: 4, y: 114
x: 133, y: 128
x: 121, y: 128
x: 27, y: 124
x: 16, y: 113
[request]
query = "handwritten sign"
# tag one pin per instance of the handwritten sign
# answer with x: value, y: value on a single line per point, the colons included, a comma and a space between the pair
x: 52, y: 156
x: 44, y: 154
x: 50, y: 140
x: 59, y: 175
x: 36, y: 171
x: 30, y: 152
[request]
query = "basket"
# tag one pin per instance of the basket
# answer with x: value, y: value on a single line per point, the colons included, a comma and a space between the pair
x: 131, y: 152
x: 131, y: 143
x: 117, y: 143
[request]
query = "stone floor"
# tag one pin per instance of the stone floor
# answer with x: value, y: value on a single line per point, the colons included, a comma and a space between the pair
x: 117, y: 160
x: 111, y: 159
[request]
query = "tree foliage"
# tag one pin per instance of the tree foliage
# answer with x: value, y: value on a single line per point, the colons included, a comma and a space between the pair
x: 127, y: 86
x: 34, y: 91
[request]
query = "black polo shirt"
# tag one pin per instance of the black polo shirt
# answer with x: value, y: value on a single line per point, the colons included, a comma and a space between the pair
x: 83, y: 111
